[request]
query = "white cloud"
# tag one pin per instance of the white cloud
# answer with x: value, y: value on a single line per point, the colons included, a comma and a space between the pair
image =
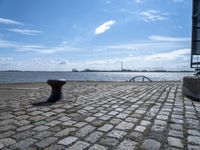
x: 172, y: 55
x: 25, y: 31
x: 6, y: 60
x: 104, y: 27
x: 36, y: 48
x: 60, y: 62
x: 9, y: 21
x: 168, y: 38
x: 153, y: 15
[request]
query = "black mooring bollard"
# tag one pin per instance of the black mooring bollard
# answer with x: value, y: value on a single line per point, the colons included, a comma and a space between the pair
x: 56, y: 93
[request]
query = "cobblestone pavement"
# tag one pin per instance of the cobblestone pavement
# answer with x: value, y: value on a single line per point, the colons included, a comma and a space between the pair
x: 100, y: 116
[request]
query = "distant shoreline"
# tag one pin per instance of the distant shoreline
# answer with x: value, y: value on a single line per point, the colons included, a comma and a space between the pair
x: 104, y: 71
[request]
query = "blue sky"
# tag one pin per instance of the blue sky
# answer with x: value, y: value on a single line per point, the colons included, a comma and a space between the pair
x: 58, y: 35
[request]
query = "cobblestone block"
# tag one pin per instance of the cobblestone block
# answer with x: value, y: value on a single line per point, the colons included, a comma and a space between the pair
x: 7, y: 142
x: 65, y: 132
x: 117, y: 134
x: 151, y: 144
x: 24, y: 144
x: 85, y: 130
x: 194, y: 139
x: 106, y: 127
x: 127, y: 145
x: 98, y: 147
x: 175, y: 142
x: 95, y: 136
x: 68, y: 140
x: 46, y: 142
x: 79, y: 145
x: 124, y: 125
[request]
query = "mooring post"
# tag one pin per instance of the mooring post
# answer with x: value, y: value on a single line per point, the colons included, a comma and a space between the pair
x: 191, y: 87
x: 56, y: 92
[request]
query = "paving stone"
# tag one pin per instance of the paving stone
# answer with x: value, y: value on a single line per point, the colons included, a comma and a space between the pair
x: 68, y: 140
x: 151, y: 144
x: 124, y: 125
x: 140, y: 128
x: 69, y: 123
x: 106, y: 127
x: 99, y: 114
x: 176, y: 133
x: 53, y: 123
x: 25, y: 143
x: 59, y: 110
x: 42, y: 135
x: 95, y: 136
x: 145, y: 123
x: 193, y: 147
x: 64, y: 118
x: 65, y: 132
x: 7, y: 128
x: 194, y: 139
x: 113, y: 113
x: 122, y: 115
x: 194, y: 132
x: 7, y: 142
x: 127, y: 145
x: 105, y: 117
x: 55, y: 147
x: 136, y: 136
x: 117, y: 134
x: 41, y: 128
x: 89, y: 119
x: 34, y: 113
x: 23, y: 135
x: 6, y: 134
x: 98, y: 147
x: 1, y: 145
x: 115, y: 121
x: 79, y: 145
x: 80, y: 124
x: 24, y: 127
x: 85, y: 130
x: 110, y: 142
x: 175, y: 142
x: 46, y: 142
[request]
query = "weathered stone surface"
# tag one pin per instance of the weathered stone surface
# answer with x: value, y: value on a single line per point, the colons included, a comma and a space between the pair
x: 106, y: 127
x: 98, y: 147
x: 24, y: 144
x: 127, y: 145
x: 104, y: 116
x: 46, y: 142
x: 85, y: 130
x: 124, y: 125
x: 93, y: 137
x: 110, y: 142
x: 175, y: 142
x: 68, y: 140
x: 7, y: 142
x: 65, y: 132
x: 194, y: 139
x: 41, y: 128
x: 79, y: 145
x: 151, y: 144
x: 117, y: 134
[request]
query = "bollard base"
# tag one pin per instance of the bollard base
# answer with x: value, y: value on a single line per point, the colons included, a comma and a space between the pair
x: 191, y: 87
x: 56, y: 92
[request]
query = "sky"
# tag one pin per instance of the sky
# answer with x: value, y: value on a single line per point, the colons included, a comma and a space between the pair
x: 61, y: 35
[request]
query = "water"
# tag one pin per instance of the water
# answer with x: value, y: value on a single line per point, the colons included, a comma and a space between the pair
x: 26, y: 77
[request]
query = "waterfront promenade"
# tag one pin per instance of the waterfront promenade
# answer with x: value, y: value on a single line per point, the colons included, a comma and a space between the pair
x: 99, y: 116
